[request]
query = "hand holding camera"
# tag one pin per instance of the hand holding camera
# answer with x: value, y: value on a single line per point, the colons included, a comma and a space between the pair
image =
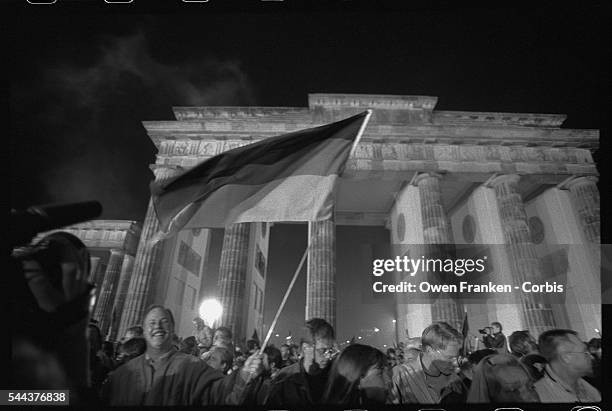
x: 56, y: 270
x: 486, y: 331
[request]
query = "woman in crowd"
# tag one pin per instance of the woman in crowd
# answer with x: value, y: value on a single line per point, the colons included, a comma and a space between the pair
x: 501, y: 378
x: 357, y: 378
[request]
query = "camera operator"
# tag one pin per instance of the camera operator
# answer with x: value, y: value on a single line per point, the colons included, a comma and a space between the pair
x: 49, y: 301
x: 485, y: 337
x: 494, y: 338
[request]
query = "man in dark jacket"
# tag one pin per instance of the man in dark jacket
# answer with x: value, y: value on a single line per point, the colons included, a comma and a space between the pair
x: 165, y: 376
x: 497, y: 340
x: 302, y: 384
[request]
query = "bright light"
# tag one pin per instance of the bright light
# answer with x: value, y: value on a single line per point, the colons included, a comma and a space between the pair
x: 394, y: 321
x: 288, y: 337
x: 376, y: 330
x: 210, y: 311
x: 384, y: 345
x: 359, y: 338
x: 347, y: 341
x: 277, y: 335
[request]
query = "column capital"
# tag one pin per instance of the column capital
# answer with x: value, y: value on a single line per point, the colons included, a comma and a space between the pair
x: 498, y: 179
x: 575, y: 181
x: 419, y: 177
x: 388, y: 224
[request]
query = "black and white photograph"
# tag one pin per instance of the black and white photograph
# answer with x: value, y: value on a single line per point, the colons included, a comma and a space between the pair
x: 281, y: 204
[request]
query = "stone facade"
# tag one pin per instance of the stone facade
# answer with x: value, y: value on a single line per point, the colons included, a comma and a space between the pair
x: 457, y: 161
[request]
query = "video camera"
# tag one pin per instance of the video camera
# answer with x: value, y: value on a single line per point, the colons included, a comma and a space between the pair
x: 50, y: 252
x: 26, y: 224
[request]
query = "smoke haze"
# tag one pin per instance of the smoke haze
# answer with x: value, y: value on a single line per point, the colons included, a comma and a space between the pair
x: 79, y: 124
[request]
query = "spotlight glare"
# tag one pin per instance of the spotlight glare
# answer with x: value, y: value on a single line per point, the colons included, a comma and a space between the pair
x: 210, y: 311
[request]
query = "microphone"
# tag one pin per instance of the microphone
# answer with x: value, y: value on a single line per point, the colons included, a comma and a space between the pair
x: 24, y: 225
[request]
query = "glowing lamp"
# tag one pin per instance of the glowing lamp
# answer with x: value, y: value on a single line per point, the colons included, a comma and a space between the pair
x: 210, y: 311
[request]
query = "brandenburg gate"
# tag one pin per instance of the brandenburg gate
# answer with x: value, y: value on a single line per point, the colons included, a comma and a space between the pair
x: 431, y: 177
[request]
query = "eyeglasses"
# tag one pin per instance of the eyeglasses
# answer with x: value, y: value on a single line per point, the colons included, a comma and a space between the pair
x: 454, y: 358
x: 328, y: 353
x: 579, y: 352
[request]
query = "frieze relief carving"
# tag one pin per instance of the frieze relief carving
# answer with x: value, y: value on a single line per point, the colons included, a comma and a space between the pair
x: 364, y: 150
x: 446, y: 152
x: 527, y: 159
x: 207, y: 148
x: 390, y: 151
x: 165, y: 147
x: 232, y: 144
x: 181, y: 148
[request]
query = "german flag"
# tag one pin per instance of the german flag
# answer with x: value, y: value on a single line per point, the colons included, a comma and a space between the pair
x: 287, y: 178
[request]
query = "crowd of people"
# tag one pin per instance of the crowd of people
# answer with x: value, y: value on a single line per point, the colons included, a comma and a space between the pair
x: 57, y: 346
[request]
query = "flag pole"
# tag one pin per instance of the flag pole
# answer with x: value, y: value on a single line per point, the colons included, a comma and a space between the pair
x: 297, y: 272
x: 282, y: 304
x: 360, y: 132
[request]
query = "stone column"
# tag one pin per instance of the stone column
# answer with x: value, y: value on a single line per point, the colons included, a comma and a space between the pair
x: 93, y: 267
x: 321, y: 281
x: 121, y: 294
x: 97, y: 279
x: 108, y: 290
x: 437, y: 231
x: 147, y: 261
x: 232, y: 277
x: 525, y: 265
x: 586, y: 202
x: 436, y: 227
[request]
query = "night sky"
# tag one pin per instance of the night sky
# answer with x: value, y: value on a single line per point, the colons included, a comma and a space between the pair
x: 80, y: 82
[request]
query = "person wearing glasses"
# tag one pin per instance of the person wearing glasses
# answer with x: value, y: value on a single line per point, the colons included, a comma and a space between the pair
x: 423, y: 379
x: 302, y: 384
x: 568, y: 361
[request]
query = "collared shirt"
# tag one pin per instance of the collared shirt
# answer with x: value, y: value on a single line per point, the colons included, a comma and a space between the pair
x: 551, y: 388
x: 151, y: 366
x: 411, y: 385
